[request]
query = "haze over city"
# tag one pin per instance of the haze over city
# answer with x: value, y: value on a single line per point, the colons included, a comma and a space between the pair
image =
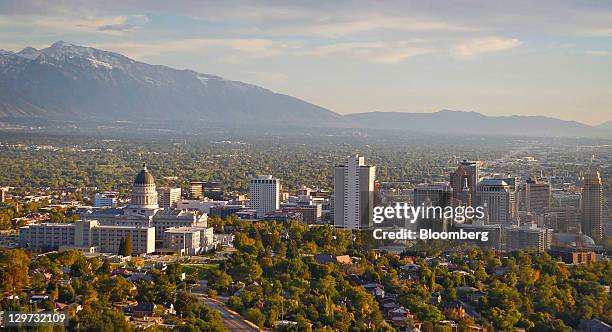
x: 408, y: 166
x: 520, y: 58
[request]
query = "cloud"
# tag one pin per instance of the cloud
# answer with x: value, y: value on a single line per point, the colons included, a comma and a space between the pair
x: 374, y: 52
x: 253, y: 47
x: 597, y: 53
x: 127, y: 23
x: 398, y: 55
x: 110, y: 25
x: 336, y: 48
x: 116, y: 27
x: 474, y: 47
x: 338, y: 28
x: 237, y: 50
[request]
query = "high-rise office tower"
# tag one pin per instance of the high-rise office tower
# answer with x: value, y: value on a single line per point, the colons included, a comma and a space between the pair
x: 535, y: 196
x: 592, y: 206
x: 460, y: 183
x: 354, y: 193
x: 265, y: 194
x: 438, y: 194
x: 500, y: 200
x: 513, y: 181
x: 167, y: 197
x: 473, y: 172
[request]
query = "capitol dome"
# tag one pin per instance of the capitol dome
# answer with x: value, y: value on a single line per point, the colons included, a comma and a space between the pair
x: 144, y: 193
x: 144, y: 177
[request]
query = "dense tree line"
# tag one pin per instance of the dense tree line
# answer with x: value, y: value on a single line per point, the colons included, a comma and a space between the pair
x: 91, y: 284
x: 273, y: 275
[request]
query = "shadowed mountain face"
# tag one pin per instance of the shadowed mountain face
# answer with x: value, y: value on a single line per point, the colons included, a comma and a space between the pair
x: 71, y: 82
x: 82, y: 84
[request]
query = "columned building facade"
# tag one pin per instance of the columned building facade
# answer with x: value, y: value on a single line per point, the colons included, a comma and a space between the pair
x: 144, y: 194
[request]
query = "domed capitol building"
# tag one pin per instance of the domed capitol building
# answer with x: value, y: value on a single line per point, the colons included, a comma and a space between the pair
x: 144, y: 194
x: 151, y: 227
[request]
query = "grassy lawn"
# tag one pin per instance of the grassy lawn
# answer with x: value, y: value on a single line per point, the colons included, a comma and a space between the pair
x: 201, y: 269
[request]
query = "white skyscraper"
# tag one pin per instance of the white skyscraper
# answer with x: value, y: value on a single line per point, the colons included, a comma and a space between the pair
x: 499, y: 199
x: 354, y: 194
x: 265, y: 194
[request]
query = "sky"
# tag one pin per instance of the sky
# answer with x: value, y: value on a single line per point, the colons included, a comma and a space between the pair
x: 551, y: 58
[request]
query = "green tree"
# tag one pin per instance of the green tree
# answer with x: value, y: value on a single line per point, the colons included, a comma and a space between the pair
x: 128, y: 245
x: 255, y: 316
x: 105, y: 268
x: 14, y: 267
x: 121, y: 250
x: 80, y: 267
x: 99, y: 318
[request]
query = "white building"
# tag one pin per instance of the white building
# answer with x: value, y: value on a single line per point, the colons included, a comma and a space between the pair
x: 105, y: 199
x: 103, y: 229
x: 46, y: 236
x: 500, y: 201
x: 144, y: 195
x: 165, y: 219
x: 202, y: 205
x: 86, y: 234
x: 354, y: 194
x: 144, y: 211
x: 265, y: 194
x: 189, y: 240
x: 107, y: 238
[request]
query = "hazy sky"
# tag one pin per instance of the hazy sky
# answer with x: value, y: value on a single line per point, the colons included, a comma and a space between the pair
x: 549, y: 58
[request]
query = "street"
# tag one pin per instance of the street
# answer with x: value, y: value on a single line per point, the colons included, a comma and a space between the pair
x: 232, y: 321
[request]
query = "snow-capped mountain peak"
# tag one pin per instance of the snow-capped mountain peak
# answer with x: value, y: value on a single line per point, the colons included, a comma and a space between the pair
x: 62, y: 50
x: 68, y: 81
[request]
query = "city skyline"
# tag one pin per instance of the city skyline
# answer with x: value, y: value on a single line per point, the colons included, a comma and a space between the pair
x: 495, y: 59
x: 358, y: 165
x: 391, y: 234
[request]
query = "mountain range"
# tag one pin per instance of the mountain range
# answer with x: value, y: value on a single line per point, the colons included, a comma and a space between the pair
x: 606, y: 125
x: 457, y: 122
x: 67, y: 82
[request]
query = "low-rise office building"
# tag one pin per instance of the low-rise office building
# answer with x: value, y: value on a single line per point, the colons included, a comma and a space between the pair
x: 528, y: 236
x: 86, y: 234
x: 46, y: 236
x: 573, y: 255
x: 189, y: 240
x: 105, y: 199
